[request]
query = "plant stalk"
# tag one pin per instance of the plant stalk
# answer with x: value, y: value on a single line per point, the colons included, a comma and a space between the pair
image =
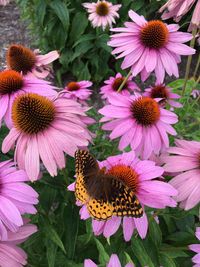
x: 124, y: 82
x: 197, y: 66
x: 192, y: 42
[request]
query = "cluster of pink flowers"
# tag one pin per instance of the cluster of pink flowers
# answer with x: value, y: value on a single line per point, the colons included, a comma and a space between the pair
x: 142, y: 121
x: 43, y: 124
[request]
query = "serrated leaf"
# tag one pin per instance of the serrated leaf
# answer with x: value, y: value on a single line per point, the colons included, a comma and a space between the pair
x: 61, y: 10
x: 141, y: 253
x: 103, y: 256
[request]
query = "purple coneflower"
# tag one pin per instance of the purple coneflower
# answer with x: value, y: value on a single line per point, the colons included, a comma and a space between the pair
x: 140, y: 122
x: 45, y: 129
x: 23, y: 59
x: 150, y: 46
x: 102, y: 13
x: 165, y: 93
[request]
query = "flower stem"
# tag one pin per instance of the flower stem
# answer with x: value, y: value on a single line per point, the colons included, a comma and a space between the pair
x: 124, y: 82
x: 197, y: 67
x: 192, y: 42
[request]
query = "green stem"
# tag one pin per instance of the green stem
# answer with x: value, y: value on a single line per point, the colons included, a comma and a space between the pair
x: 192, y: 42
x: 124, y: 82
x: 197, y: 67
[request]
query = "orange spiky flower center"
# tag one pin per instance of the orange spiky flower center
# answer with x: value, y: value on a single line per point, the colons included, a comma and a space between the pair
x: 117, y: 82
x: 145, y: 110
x: 10, y: 82
x: 125, y: 174
x: 73, y: 86
x: 159, y: 91
x: 154, y: 34
x: 32, y: 113
x: 102, y: 9
x: 20, y: 58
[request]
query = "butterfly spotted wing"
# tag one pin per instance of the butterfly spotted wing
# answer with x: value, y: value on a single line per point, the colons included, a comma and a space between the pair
x: 86, y: 167
x: 103, y: 194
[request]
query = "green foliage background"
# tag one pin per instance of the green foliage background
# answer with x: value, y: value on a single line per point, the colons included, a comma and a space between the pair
x: 63, y: 240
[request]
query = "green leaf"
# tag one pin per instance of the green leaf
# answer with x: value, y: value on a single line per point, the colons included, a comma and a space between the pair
x: 155, y: 232
x: 81, y: 49
x: 71, y: 224
x: 51, y: 253
x: 103, y: 256
x: 173, y: 252
x: 101, y: 42
x: 140, y: 252
x: 51, y: 234
x: 84, y: 38
x: 85, y: 74
x: 79, y: 24
x: 41, y: 11
x: 166, y: 261
x: 61, y: 10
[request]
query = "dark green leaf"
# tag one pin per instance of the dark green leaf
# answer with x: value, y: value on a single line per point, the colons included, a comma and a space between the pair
x: 103, y: 256
x: 141, y: 253
x: 41, y: 11
x: 166, y: 261
x: 79, y: 24
x: 62, y: 13
x: 51, y: 253
x: 155, y: 232
x: 71, y: 223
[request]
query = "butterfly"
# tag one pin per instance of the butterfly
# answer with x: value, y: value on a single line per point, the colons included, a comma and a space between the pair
x: 103, y: 194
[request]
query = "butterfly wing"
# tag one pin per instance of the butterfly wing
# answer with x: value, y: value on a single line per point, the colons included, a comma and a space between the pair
x: 109, y: 196
x: 124, y: 201
x: 86, y: 166
x: 100, y: 209
x: 121, y: 201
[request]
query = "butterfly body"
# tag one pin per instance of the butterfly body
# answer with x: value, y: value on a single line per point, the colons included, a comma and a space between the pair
x: 104, y: 194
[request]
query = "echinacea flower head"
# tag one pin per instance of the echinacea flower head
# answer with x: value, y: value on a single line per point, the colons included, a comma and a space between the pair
x: 149, y: 46
x: 140, y: 122
x: 4, y: 2
x: 78, y: 90
x: 113, y: 262
x: 23, y: 59
x: 112, y: 85
x: 185, y: 160
x: 13, y: 83
x: 102, y: 13
x: 10, y: 253
x: 176, y: 9
x: 196, y: 248
x: 140, y: 177
x: 45, y: 129
x: 16, y: 198
x: 164, y: 93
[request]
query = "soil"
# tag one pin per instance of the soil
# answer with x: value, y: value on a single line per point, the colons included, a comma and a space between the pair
x: 12, y: 30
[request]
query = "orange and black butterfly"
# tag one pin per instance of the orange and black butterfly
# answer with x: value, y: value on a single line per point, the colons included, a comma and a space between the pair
x: 104, y: 194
